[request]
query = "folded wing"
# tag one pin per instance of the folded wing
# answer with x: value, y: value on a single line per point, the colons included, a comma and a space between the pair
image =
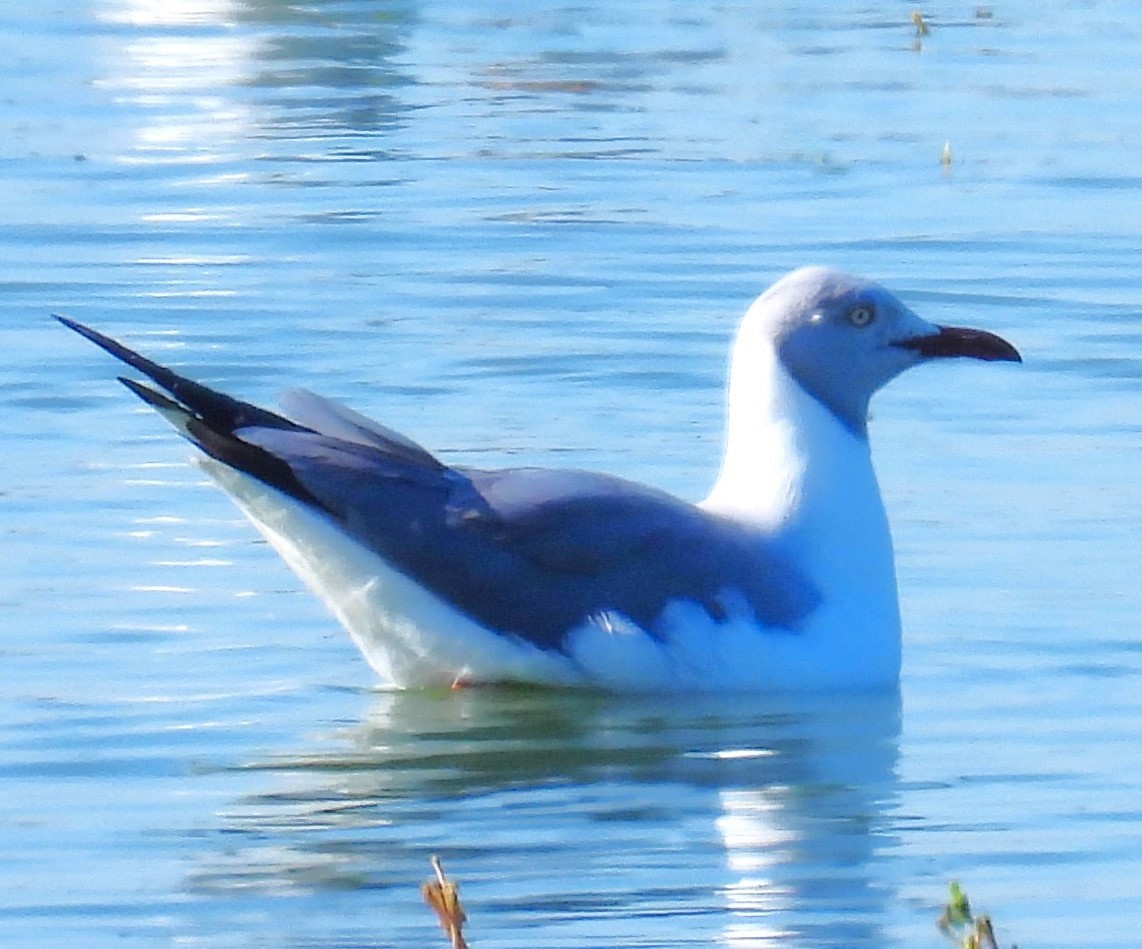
x: 529, y: 552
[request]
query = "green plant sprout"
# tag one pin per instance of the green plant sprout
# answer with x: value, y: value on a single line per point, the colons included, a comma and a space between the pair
x: 961, y: 927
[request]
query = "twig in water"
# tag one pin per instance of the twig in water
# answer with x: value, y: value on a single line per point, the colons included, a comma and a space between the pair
x: 443, y: 896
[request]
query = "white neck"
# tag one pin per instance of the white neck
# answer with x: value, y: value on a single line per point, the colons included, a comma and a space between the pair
x: 793, y: 471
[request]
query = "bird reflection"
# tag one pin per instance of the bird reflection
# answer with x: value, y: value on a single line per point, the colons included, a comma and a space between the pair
x: 754, y: 822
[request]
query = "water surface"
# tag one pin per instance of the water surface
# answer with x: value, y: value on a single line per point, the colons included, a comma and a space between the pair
x: 525, y: 236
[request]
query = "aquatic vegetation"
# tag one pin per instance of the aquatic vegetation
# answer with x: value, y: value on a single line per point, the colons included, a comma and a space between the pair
x: 960, y: 926
x: 963, y: 928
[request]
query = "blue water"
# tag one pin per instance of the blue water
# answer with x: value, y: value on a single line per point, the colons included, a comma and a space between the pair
x: 525, y: 235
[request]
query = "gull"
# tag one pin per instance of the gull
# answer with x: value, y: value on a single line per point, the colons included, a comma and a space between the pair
x: 783, y: 578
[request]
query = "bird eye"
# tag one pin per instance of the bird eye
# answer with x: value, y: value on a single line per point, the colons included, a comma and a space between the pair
x: 861, y: 315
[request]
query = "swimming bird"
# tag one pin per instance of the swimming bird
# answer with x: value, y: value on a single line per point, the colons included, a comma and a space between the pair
x: 782, y: 578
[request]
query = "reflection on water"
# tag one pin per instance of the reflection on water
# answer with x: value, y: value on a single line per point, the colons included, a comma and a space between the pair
x: 177, y: 69
x: 570, y: 808
x: 334, y: 66
x: 221, y: 79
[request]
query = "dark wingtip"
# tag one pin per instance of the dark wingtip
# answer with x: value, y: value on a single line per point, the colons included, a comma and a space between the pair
x: 208, y: 418
x: 154, y: 399
x: 221, y: 411
x: 72, y: 324
x: 160, y: 374
x: 85, y: 331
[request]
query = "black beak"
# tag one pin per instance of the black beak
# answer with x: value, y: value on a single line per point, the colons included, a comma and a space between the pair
x: 959, y: 341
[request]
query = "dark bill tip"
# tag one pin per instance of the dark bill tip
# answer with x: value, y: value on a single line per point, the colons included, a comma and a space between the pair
x: 960, y: 341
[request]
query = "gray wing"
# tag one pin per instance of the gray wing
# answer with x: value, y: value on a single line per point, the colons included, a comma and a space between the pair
x: 324, y: 415
x: 530, y: 552
x: 537, y: 552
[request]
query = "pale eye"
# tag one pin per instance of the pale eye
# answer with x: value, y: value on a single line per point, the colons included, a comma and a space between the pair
x: 861, y: 315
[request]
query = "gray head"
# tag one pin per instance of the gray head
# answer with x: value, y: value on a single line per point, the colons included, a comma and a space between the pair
x: 842, y: 338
